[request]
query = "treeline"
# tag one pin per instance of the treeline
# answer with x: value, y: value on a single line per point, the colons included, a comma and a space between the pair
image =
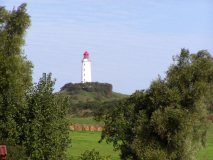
x: 90, y: 108
x: 76, y: 88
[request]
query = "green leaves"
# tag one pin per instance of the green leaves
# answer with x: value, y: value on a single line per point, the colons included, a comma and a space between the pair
x: 32, y: 118
x: 169, y: 120
x: 93, y: 155
x: 15, y: 79
x: 15, y: 72
x: 48, y: 128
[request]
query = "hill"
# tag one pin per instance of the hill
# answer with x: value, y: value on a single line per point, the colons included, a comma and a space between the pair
x: 85, y: 92
x: 87, y: 98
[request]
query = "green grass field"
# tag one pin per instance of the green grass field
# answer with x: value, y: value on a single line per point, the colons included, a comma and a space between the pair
x: 88, y: 140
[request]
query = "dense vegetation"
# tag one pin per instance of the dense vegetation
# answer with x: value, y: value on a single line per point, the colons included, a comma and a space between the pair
x: 88, y: 109
x: 88, y: 155
x: 169, y: 120
x: 103, y: 88
x: 33, y: 121
x: 88, y: 98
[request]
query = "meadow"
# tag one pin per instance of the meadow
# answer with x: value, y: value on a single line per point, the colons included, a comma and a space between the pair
x: 88, y: 140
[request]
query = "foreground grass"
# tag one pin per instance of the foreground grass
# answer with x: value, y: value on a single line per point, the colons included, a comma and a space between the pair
x: 88, y: 140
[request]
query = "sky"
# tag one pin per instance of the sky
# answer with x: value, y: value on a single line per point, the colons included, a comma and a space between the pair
x: 130, y: 42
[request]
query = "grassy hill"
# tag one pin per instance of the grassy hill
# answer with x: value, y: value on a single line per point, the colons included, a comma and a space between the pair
x: 84, y: 96
x: 87, y: 98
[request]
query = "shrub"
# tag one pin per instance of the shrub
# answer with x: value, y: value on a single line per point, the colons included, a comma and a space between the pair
x: 93, y: 155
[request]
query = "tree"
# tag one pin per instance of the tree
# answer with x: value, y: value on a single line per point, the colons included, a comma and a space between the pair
x: 15, y: 74
x: 169, y: 120
x: 47, y: 135
x: 33, y: 121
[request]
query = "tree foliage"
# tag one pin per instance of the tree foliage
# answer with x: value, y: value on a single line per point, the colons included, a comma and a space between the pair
x: 94, y: 106
x: 32, y: 119
x: 47, y: 127
x: 168, y: 120
x: 103, y: 88
x: 15, y: 72
x: 93, y: 155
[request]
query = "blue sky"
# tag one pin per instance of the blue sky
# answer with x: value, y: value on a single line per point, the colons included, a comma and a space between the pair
x: 130, y: 42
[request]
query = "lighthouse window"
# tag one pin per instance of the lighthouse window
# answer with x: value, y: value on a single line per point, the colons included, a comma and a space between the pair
x: 84, y: 74
x: 84, y: 69
x: 84, y: 64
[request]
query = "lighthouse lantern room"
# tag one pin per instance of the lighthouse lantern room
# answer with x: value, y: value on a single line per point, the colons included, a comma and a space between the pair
x: 86, y: 69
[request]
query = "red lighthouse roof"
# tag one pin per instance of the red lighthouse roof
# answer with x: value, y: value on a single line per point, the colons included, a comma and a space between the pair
x: 86, y: 53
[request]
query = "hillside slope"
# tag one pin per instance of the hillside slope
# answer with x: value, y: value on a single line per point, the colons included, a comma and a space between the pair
x: 88, y: 98
x: 84, y: 96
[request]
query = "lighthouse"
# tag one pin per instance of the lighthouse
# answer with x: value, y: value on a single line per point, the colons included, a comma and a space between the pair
x: 86, y: 69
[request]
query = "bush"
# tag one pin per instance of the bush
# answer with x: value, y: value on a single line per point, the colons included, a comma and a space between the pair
x: 102, y: 88
x: 210, y: 117
x: 169, y: 119
x: 93, y: 155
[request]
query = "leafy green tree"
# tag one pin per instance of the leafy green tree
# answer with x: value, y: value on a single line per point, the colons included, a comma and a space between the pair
x: 169, y: 120
x: 32, y: 119
x: 46, y: 129
x: 15, y: 74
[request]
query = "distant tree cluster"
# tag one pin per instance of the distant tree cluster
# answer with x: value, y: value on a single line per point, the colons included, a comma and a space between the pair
x: 103, y: 88
x: 94, y: 106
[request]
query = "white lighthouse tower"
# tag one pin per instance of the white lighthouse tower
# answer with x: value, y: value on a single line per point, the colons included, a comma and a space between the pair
x: 86, y: 69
